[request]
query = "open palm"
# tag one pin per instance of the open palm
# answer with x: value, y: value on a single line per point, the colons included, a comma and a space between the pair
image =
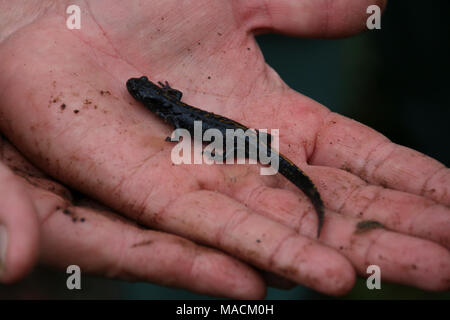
x: 65, y: 106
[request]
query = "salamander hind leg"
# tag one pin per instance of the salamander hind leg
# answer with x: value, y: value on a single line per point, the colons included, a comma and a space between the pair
x: 219, y: 156
x: 177, y: 94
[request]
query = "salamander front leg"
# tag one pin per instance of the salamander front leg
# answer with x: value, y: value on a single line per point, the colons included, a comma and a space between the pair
x: 215, y: 155
x: 177, y: 94
x: 176, y: 135
x: 230, y: 153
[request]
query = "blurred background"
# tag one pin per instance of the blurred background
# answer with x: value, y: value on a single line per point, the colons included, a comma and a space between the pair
x: 395, y: 80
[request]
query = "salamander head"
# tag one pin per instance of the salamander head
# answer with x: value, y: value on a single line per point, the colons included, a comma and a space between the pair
x: 144, y: 90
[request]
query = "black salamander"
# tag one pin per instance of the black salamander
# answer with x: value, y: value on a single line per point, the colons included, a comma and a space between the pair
x: 166, y: 102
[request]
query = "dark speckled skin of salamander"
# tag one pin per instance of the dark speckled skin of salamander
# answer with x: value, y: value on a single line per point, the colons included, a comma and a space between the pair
x: 166, y: 103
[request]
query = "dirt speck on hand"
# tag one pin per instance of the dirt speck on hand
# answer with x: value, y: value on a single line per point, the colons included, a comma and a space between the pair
x: 367, y: 225
x: 142, y: 243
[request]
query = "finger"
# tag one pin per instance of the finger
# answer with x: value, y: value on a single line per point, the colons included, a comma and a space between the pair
x: 104, y: 244
x: 89, y: 237
x: 214, y: 219
x: 275, y: 281
x: 19, y: 228
x: 427, y: 266
x: 401, y: 258
x: 309, y: 18
x: 346, y: 144
x: 347, y: 194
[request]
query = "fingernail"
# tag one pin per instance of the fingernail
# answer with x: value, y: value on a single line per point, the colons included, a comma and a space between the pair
x: 3, y: 245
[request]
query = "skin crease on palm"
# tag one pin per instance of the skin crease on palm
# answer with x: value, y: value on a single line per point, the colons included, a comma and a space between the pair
x: 109, y: 147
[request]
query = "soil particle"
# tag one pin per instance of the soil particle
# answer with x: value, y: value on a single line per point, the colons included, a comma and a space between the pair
x: 142, y: 243
x: 367, y: 225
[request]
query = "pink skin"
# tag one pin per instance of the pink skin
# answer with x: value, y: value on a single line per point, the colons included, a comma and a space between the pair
x: 101, y: 242
x: 114, y: 151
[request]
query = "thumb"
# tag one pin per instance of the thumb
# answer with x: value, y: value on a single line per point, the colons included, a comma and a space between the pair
x: 19, y: 228
x: 309, y: 18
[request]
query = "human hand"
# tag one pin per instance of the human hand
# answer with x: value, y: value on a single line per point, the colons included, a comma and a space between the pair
x: 114, y: 150
x: 46, y: 222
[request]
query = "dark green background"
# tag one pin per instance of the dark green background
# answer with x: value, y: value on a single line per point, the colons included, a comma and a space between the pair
x: 394, y: 80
